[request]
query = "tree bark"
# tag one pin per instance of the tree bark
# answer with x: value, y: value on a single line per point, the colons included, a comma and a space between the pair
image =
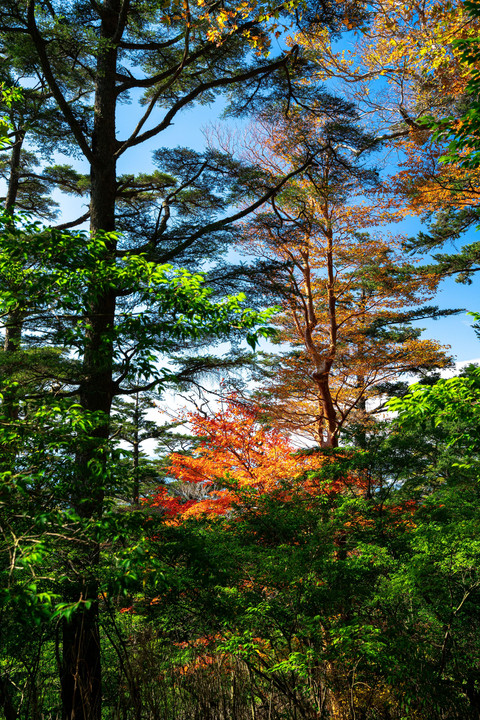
x: 136, y: 451
x: 14, y: 178
x: 323, y: 360
x: 82, y: 677
x: 15, y: 317
x: 13, y: 325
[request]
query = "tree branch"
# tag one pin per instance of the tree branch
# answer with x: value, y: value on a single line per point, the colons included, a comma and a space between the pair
x: 73, y: 223
x: 193, y: 94
x: 162, y: 89
x: 125, y: 45
x: 54, y: 87
x: 219, y: 224
x: 122, y: 20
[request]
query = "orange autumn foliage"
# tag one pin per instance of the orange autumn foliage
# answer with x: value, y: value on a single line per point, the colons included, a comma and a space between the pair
x: 237, y: 457
x: 171, y: 505
x: 346, y: 289
x: 424, y: 184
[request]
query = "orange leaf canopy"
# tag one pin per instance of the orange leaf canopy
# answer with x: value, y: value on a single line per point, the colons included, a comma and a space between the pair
x: 236, y: 454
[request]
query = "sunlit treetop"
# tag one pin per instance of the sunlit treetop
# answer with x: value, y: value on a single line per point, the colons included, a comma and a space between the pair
x: 405, y: 59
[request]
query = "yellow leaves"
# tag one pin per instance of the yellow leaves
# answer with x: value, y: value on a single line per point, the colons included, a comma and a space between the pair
x: 213, y: 35
x: 244, y: 9
x: 225, y: 22
x: 405, y: 44
x: 222, y: 18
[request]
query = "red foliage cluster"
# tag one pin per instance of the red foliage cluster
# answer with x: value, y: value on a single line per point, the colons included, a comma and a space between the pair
x: 237, y: 454
x: 171, y: 505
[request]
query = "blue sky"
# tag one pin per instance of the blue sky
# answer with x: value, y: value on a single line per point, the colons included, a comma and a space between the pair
x: 454, y: 330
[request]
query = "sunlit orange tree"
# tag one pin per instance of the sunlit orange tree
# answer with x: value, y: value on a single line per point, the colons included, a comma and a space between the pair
x: 284, y: 582
x: 347, y: 292
x: 237, y: 460
x: 333, y: 602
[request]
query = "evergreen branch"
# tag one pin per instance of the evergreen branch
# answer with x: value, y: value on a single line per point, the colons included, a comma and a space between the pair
x: 54, y: 87
x: 193, y: 94
x: 220, y: 224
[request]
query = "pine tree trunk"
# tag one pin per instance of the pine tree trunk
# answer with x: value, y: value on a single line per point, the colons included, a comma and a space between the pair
x: 136, y: 452
x: 14, y: 176
x: 82, y: 676
x: 81, y: 679
x: 324, y: 361
x: 15, y: 317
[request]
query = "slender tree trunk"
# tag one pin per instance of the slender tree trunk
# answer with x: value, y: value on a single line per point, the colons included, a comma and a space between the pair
x: 329, y: 420
x: 324, y: 380
x: 16, y: 316
x: 14, y: 179
x: 13, y: 337
x: 361, y: 437
x: 82, y: 676
x: 136, y: 451
x: 13, y: 325
x: 324, y: 360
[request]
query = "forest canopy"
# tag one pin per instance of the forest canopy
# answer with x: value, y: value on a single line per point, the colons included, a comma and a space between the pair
x: 237, y: 480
